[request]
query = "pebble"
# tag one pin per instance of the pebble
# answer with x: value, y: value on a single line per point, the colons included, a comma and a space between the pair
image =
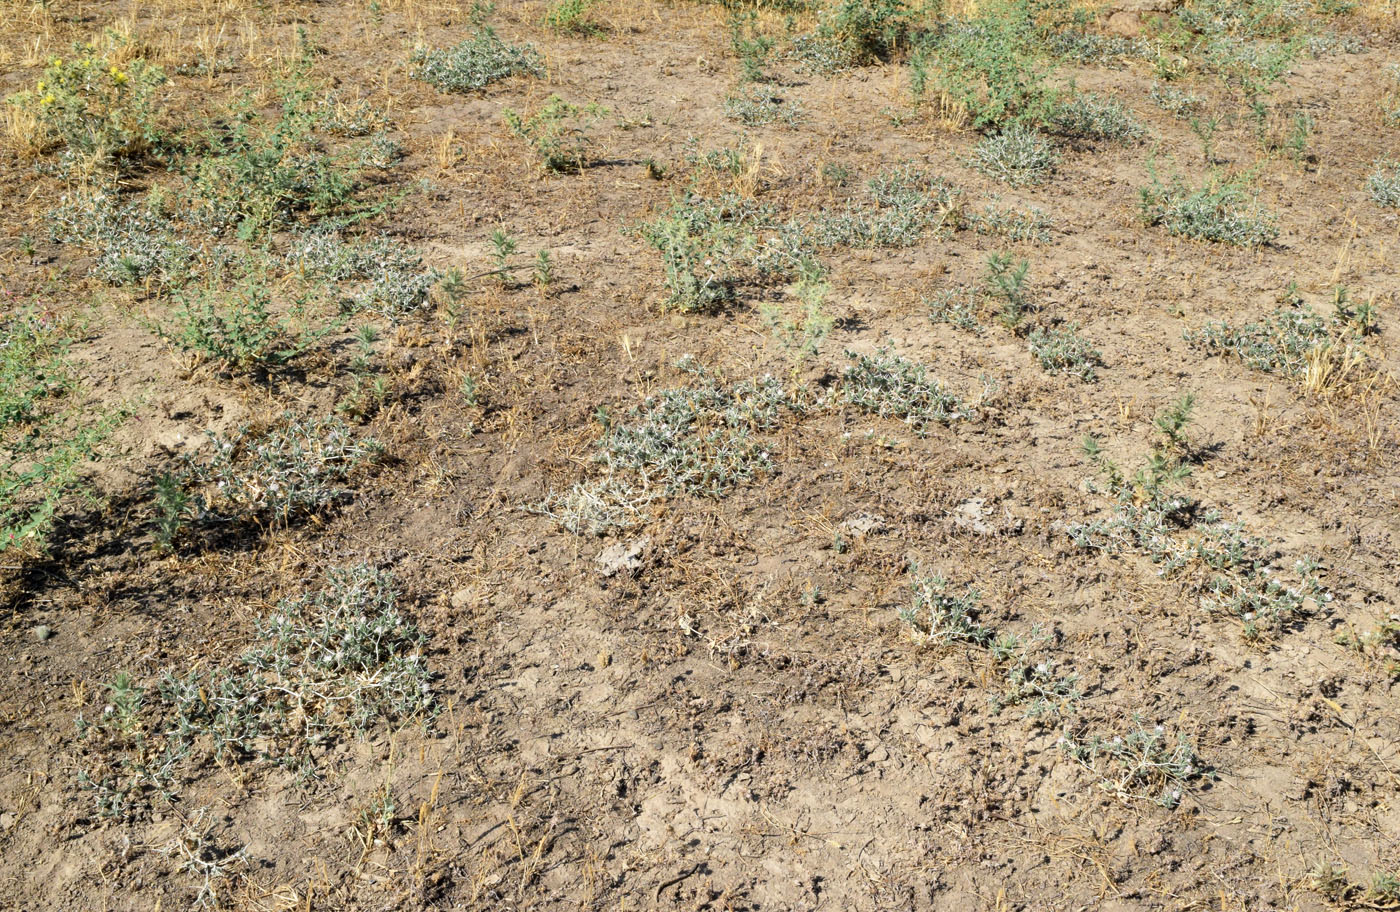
x: 42, y: 632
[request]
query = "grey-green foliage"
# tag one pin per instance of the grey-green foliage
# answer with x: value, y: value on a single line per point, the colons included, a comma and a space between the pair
x: 130, y: 243
x: 1280, y: 343
x: 1384, y: 184
x: 46, y: 436
x: 940, y: 618
x: 381, y: 276
x: 903, y: 204
x: 894, y: 387
x: 1065, y: 351
x: 1018, y: 226
x: 1176, y: 102
x: 1214, y: 557
x: 701, y: 440
x: 343, y: 660
x: 1090, y: 117
x: 475, y: 63
x: 295, y: 467
x: 711, y: 246
x: 1143, y: 765
x: 1019, y: 155
x: 852, y: 33
x: 1220, y: 211
x: 756, y: 105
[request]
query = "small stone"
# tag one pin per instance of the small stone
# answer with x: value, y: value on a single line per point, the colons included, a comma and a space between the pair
x: 42, y: 632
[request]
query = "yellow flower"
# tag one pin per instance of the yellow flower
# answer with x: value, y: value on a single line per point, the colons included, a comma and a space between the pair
x: 46, y: 100
x: 118, y: 78
x: 41, y: 85
x: 58, y: 61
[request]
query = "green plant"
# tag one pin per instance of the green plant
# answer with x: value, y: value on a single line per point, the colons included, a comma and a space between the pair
x: 1384, y: 184
x: 236, y: 329
x: 1064, y: 351
x: 544, y: 270
x: 1091, y: 117
x: 503, y: 247
x: 46, y: 438
x: 1176, y: 102
x: 989, y: 68
x: 1142, y: 765
x: 1019, y: 155
x: 1031, y: 226
x: 754, y: 106
x: 893, y: 387
x: 475, y: 63
x: 1283, y: 342
x: 751, y: 46
x: 1172, y: 422
x: 937, y: 618
x: 853, y: 33
x: 295, y: 467
x: 904, y: 204
x: 558, y: 132
x: 801, y: 336
x: 172, y: 503
x: 1220, y: 212
x: 571, y: 17
x: 1007, y: 280
x: 102, y: 114
x: 131, y: 244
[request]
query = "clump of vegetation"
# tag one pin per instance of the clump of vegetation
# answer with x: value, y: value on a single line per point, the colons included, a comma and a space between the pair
x: 1213, y: 557
x: 558, y: 132
x: 46, y: 437
x: 711, y: 246
x: 475, y: 63
x: 1028, y: 226
x: 801, y: 336
x: 237, y: 330
x: 1176, y: 102
x: 852, y: 33
x: 131, y: 244
x: 988, y: 69
x: 893, y: 387
x: 295, y: 467
x: 697, y: 440
x: 755, y: 106
x: 938, y: 618
x: 337, y: 662
x: 1143, y: 765
x: 1090, y: 117
x: 904, y: 204
x: 102, y: 115
x: 571, y: 17
x: 1384, y: 184
x: 1286, y: 341
x: 380, y: 276
x: 1019, y: 155
x: 1221, y: 211
x: 1065, y: 351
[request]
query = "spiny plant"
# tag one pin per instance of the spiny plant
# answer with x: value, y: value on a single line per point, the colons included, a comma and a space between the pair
x: 571, y: 17
x: 131, y: 243
x: 103, y: 115
x: 1220, y: 211
x: 904, y: 203
x: 939, y: 618
x: 801, y: 336
x: 473, y: 64
x: 1064, y: 351
x: 754, y: 106
x: 1143, y: 765
x: 46, y: 437
x: 1090, y: 117
x: 1384, y: 184
x: 1006, y: 280
x: 1018, y: 155
x: 894, y: 387
x: 339, y: 661
x: 295, y: 467
x: 558, y: 132
x: 236, y: 329
x: 1284, y: 342
x: 853, y: 33
x: 988, y: 68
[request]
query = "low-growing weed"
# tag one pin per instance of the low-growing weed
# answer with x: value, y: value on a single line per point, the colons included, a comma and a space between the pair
x: 1019, y: 155
x: 339, y: 661
x: 571, y: 17
x: 938, y: 618
x: 1143, y: 765
x: 1018, y: 226
x: 1006, y: 280
x: 1176, y: 102
x: 46, y: 438
x: 905, y: 203
x: 1220, y: 211
x: 1091, y: 117
x: 893, y: 387
x: 1288, y: 340
x: 558, y: 132
x: 297, y: 466
x: 1065, y: 351
x: 235, y: 328
x: 755, y: 105
x: 130, y: 244
x: 475, y: 63
x: 1384, y: 184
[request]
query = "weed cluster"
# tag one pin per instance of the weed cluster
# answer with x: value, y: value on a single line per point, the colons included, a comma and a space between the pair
x: 1289, y: 339
x: 1220, y: 211
x: 757, y: 105
x: 1214, y: 558
x: 475, y: 63
x: 1090, y: 117
x: 1142, y: 765
x: 904, y: 203
x: 558, y: 132
x: 1029, y: 226
x: 46, y: 438
x: 1384, y: 184
x: 1019, y: 155
x: 324, y: 665
x: 941, y: 619
x: 1065, y: 351
x: 893, y: 387
x: 852, y: 33
x: 295, y: 467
